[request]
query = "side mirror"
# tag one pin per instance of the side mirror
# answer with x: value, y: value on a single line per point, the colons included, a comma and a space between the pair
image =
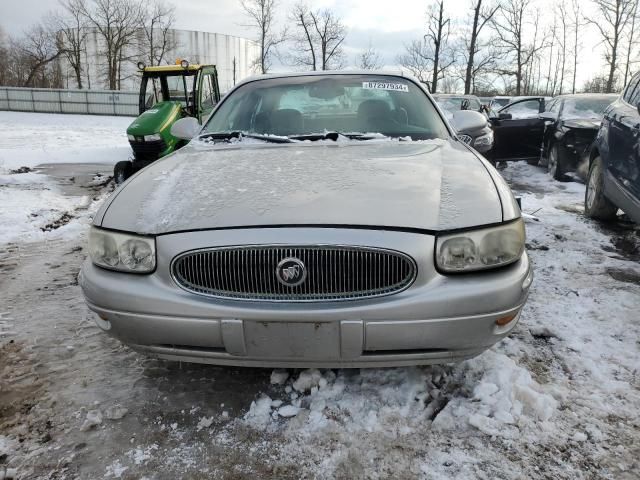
x: 468, y: 120
x: 186, y: 128
x: 505, y: 116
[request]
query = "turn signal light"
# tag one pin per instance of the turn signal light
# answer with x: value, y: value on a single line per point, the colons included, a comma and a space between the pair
x: 502, y: 321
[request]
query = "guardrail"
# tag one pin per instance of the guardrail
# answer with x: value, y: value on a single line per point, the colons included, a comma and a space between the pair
x: 51, y: 100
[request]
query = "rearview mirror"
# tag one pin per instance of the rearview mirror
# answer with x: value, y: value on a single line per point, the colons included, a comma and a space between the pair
x: 468, y: 120
x: 185, y: 128
x: 505, y: 116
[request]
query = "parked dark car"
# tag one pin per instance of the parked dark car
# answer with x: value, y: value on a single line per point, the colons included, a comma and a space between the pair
x: 517, y: 130
x: 479, y: 138
x: 453, y: 102
x: 614, y: 162
x: 571, y: 123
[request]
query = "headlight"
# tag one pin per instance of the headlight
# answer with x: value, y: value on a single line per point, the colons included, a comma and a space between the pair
x: 152, y: 138
x: 131, y: 138
x: 122, y: 251
x: 480, y: 249
x: 484, y: 140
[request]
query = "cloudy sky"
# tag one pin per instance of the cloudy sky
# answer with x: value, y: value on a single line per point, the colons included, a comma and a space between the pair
x: 386, y: 24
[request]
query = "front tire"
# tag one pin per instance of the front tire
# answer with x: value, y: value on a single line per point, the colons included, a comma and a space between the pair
x: 556, y: 165
x: 596, y: 205
x: 121, y: 171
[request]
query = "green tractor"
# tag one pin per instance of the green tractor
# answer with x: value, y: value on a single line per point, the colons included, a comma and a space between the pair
x: 167, y: 93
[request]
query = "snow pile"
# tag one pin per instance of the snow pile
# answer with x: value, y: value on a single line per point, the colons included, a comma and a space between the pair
x: 31, y: 139
x: 33, y: 206
x: 30, y: 209
x: 491, y: 393
x: 505, y: 400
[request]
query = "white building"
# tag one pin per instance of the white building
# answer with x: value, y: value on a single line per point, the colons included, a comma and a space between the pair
x: 233, y: 56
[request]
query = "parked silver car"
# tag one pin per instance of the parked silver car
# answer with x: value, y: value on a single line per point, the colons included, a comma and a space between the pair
x: 328, y: 219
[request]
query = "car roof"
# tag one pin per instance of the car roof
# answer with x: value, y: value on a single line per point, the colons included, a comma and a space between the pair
x: 322, y: 73
x: 588, y: 95
x: 454, y: 95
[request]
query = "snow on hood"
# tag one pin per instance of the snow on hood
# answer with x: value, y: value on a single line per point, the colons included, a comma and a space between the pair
x: 588, y: 123
x: 430, y: 185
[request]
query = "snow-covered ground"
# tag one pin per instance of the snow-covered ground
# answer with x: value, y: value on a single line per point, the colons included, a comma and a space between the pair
x: 33, y: 206
x: 559, y: 398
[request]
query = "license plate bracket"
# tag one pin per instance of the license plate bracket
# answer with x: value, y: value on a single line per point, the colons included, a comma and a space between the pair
x: 312, y: 340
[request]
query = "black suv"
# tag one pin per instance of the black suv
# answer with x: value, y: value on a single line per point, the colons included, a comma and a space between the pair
x: 614, y: 162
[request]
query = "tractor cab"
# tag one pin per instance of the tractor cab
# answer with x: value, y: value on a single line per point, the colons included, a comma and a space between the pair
x: 167, y: 94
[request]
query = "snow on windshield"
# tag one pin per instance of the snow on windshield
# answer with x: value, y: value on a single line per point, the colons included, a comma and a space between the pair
x: 585, y: 107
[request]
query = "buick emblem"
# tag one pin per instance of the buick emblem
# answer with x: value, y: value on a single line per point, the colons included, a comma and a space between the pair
x: 291, y: 272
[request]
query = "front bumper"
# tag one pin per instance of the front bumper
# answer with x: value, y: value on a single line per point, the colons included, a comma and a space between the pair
x: 439, y: 319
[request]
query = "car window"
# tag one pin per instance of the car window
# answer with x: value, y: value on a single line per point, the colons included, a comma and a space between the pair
x: 586, y: 107
x: 523, y: 109
x: 632, y: 94
x: 306, y: 104
x: 456, y: 103
x: 554, y: 106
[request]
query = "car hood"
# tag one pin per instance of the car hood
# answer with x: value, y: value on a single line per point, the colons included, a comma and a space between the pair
x: 585, y: 123
x: 429, y: 185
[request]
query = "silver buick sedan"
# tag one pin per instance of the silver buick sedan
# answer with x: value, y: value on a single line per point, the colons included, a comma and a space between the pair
x: 327, y: 220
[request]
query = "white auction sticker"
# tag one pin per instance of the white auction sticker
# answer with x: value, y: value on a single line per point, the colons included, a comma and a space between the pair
x: 396, y: 87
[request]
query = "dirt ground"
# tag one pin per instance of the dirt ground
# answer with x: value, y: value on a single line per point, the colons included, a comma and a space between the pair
x: 75, y: 403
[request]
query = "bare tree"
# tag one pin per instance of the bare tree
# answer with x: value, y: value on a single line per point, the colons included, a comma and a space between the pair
x: 611, y: 21
x: 369, y: 59
x: 157, y: 22
x: 319, y: 38
x: 330, y: 32
x: 481, y: 16
x: 433, y: 54
x: 632, y: 41
x: 36, y: 51
x: 438, y: 35
x: 417, y: 60
x: 576, y: 23
x: 116, y: 22
x: 71, y: 29
x: 304, y: 37
x: 561, y: 37
x: 511, y: 24
x: 4, y: 58
x: 262, y: 13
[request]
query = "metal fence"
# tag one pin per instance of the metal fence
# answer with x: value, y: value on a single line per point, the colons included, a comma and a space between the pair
x: 50, y: 100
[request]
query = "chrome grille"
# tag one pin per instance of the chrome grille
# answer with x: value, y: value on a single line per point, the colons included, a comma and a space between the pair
x: 333, y: 272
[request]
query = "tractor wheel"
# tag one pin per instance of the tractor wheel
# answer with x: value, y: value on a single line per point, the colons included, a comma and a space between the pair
x: 122, y: 171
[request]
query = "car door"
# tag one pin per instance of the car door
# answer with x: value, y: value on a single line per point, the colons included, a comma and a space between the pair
x: 624, y: 138
x: 518, y: 130
x: 209, y: 94
x: 551, y: 118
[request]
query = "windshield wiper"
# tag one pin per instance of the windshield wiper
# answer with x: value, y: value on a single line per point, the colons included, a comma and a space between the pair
x: 240, y: 135
x: 335, y: 135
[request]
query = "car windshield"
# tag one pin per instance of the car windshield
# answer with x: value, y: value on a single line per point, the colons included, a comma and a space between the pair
x: 311, y: 104
x: 500, y: 102
x: 590, y: 107
x: 453, y: 104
